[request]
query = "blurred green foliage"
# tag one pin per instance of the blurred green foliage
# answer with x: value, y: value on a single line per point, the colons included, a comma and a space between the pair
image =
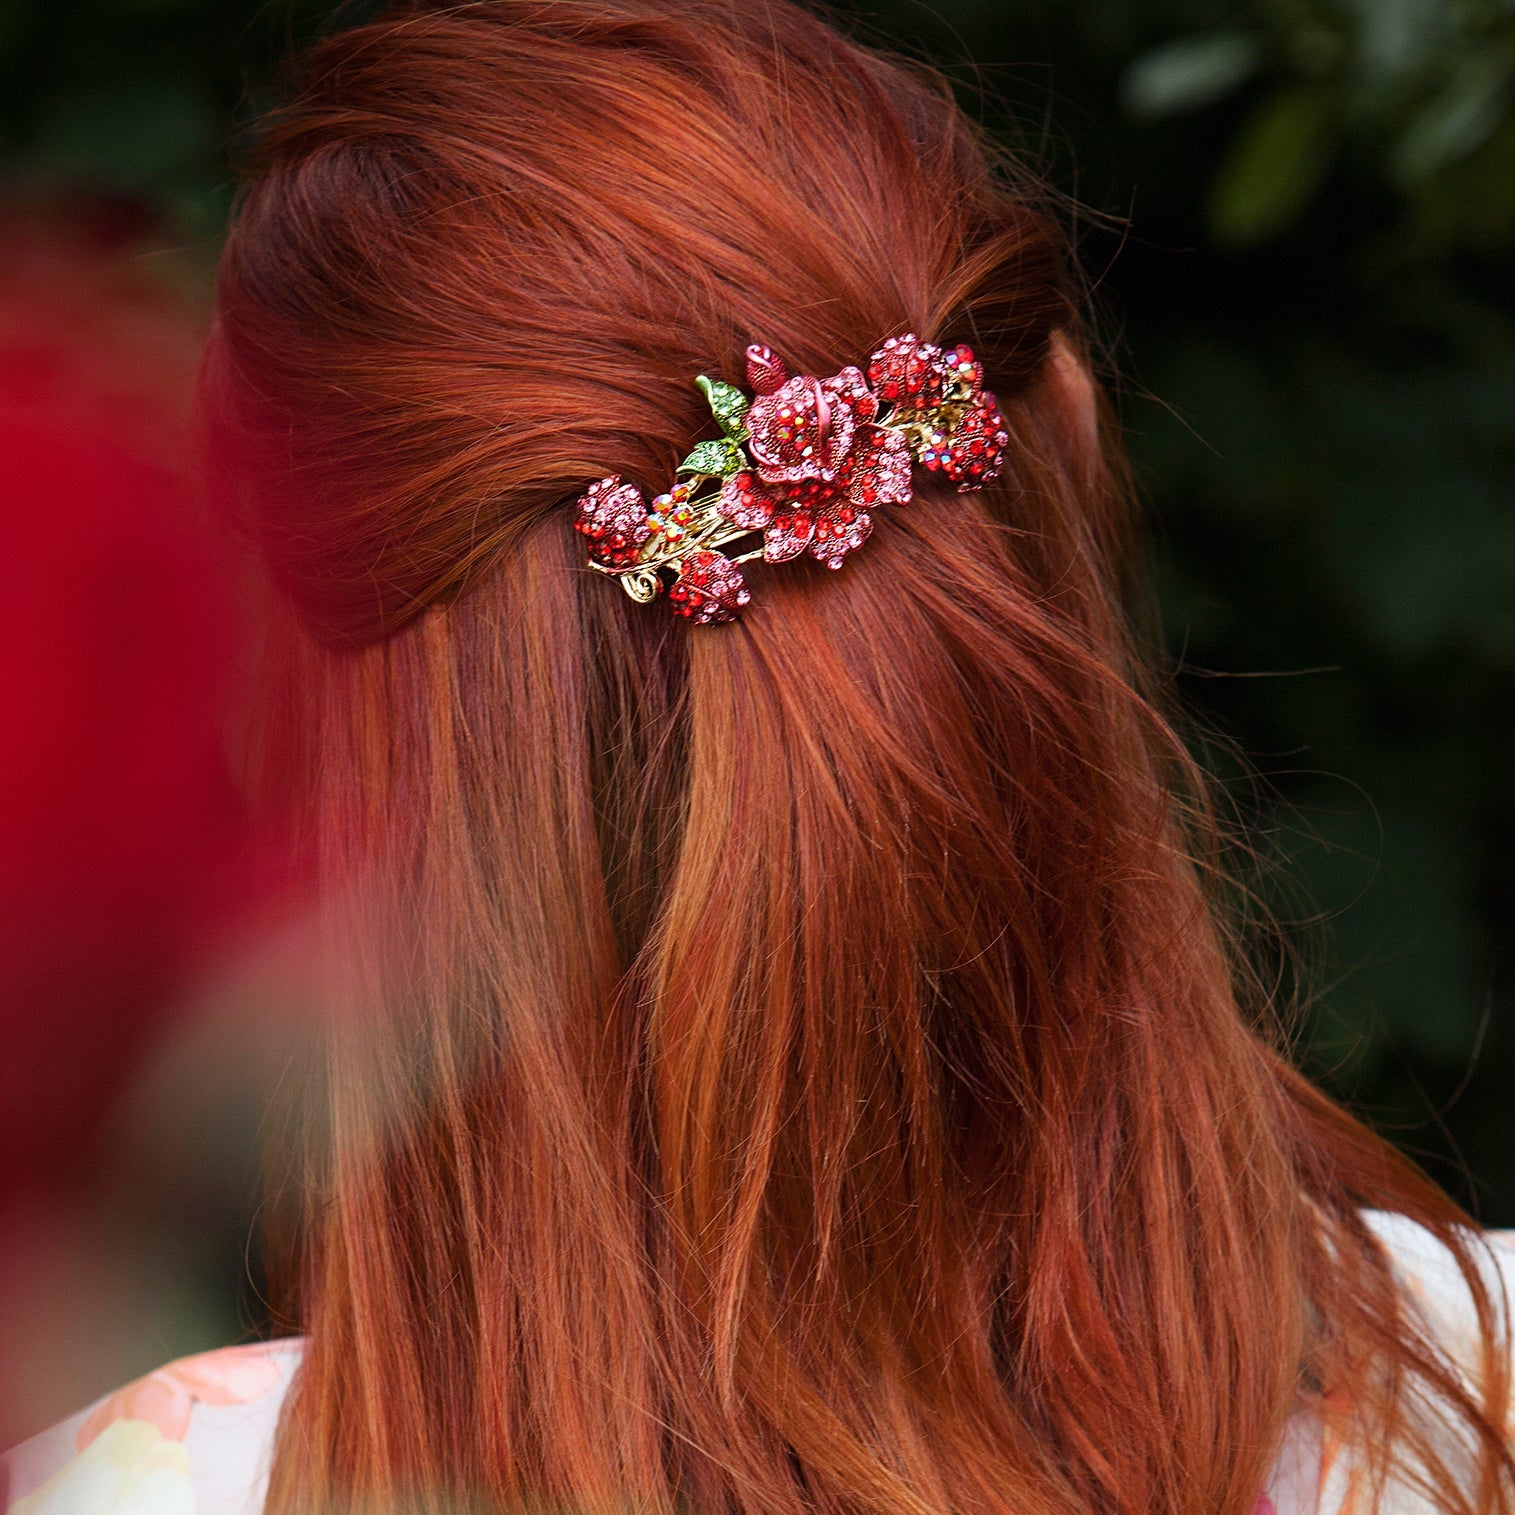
x: 139, y: 102
x: 1307, y: 283
x: 1419, y: 90
x: 1301, y: 216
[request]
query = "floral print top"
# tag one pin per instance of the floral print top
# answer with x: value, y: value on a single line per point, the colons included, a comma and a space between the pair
x: 194, y: 1437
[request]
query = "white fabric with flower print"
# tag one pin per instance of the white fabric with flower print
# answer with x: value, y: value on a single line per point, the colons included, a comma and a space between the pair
x: 191, y: 1438
x: 195, y: 1437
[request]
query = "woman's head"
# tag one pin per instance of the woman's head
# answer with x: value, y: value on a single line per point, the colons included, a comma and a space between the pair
x: 801, y: 1067
x: 495, y: 247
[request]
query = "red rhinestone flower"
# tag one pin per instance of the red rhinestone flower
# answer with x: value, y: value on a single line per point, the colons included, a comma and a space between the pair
x: 975, y: 450
x: 613, y: 516
x: 908, y: 372
x: 877, y: 471
x: 710, y: 589
x: 765, y: 369
x: 962, y: 429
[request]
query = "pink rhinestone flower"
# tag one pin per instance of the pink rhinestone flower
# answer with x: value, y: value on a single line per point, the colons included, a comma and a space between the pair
x: 820, y: 463
x: 805, y: 428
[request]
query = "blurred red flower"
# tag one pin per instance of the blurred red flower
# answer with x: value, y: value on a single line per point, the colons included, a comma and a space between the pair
x: 123, y: 846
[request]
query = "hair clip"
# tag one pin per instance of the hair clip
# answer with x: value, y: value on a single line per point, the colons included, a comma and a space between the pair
x: 803, y: 461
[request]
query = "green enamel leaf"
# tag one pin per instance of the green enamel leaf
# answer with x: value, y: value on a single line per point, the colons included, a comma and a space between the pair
x: 719, y: 458
x: 727, y: 403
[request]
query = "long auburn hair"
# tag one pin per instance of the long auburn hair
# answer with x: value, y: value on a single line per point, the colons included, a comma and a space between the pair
x: 793, y: 1066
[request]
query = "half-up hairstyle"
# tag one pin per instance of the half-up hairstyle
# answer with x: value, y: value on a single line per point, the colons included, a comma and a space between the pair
x: 793, y: 1066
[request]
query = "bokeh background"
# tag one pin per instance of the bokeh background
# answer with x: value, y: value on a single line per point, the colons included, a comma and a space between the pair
x: 1297, y: 219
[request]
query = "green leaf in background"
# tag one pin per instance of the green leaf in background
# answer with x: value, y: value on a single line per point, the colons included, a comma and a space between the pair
x: 1394, y: 887
x: 1458, y: 120
x: 1275, y: 166
x: 1188, y: 74
x: 727, y: 403
x: 1393, y: 40
x: 1469, y: 204
x: 719, y: 458
x: 12, y: 27
x: 129, y: 137
x: 154, y: 8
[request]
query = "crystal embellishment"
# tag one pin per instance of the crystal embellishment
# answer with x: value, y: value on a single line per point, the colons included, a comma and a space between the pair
x: 802, y: 461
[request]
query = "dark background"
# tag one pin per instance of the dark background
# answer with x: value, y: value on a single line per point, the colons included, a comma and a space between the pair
x: 1297, y: 217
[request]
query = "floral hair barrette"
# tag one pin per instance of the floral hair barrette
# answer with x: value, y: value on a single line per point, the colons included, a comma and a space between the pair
x: 804, y: 461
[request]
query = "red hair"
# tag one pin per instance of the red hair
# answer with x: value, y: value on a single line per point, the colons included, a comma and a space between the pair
x: 804, y: 1068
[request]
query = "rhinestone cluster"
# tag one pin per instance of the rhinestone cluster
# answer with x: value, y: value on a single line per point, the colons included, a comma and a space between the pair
x: 802, y: 460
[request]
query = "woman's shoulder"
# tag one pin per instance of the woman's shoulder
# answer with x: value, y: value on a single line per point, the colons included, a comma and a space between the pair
x: 194, y: 1437
x: 190, y: 1438
x: 1434, y: 1283
x: 1436, y: 1289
